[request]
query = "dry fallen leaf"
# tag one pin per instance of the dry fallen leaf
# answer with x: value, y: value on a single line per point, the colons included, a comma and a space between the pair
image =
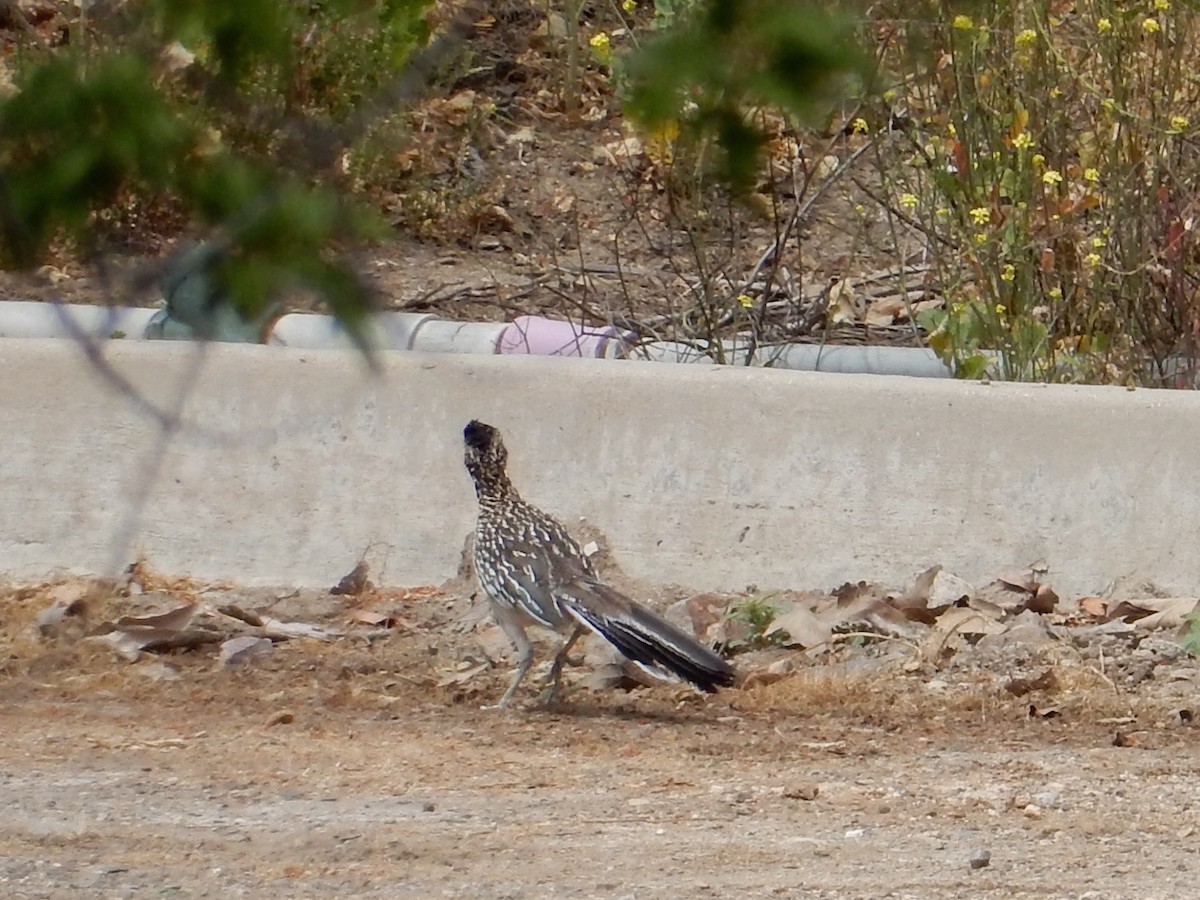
x: 933, y: 591
x: 914, y: 602
x: 1044, y: 600
x: 354, y: 583
x: 1129, y: 739
x: 1022, y: 579
x: 1148, y: 613
x: 964, y: 620
x: 802, y: 627
x: 165, y: 631
x: 884, y: 311
x: 461, y: 676
x: 371, y: 617
x: 172, y: 620
x: 1019, y: 687
x: 287, y: 630
x: 842, y: 306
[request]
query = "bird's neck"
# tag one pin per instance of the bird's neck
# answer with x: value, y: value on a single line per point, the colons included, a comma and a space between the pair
x: 495, y: 491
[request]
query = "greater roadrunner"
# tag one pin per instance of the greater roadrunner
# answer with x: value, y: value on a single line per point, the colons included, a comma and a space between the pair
x: 535, y: 574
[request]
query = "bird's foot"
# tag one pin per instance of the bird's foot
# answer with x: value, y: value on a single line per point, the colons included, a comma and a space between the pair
x: 554, y: 693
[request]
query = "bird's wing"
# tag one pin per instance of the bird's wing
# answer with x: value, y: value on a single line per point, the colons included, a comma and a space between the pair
x: 539, y: 558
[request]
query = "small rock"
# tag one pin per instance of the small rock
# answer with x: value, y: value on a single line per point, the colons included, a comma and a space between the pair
x: 1029, y: 633
x: 856, y: 834
x: 241, y: 650
x: 826, y: 167
x: 698, y: 614
x: 1048, y: 800
x: 556, y: 26
x: 802, y: 792
x: 948, y: 588
x: 781, y: 667
x: 1032, y: 811
x: 283, y: 717
x: 159, y: 671
x: 521, y: 136
x: 980, y: 859
x: 1162, y: 648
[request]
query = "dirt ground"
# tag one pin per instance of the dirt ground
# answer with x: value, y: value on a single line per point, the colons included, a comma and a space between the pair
x: 364, y: 767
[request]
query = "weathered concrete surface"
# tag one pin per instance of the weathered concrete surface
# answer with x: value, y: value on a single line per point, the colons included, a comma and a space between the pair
x: 293, y: 462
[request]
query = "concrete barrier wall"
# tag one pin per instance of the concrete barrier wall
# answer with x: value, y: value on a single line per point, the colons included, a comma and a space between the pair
x: 293, y: 462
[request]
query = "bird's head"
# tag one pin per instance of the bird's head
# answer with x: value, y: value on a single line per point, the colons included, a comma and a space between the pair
x: 484, y: 454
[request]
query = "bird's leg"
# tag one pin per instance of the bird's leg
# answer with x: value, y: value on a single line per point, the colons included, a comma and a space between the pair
x: 512, y: 627
x: 560, y: 660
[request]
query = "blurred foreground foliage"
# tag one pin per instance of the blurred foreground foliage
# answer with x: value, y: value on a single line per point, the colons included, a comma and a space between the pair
x: 237, y: 110
x: 244, y: 112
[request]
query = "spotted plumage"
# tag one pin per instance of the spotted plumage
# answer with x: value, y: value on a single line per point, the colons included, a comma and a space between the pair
x: 534, y: 573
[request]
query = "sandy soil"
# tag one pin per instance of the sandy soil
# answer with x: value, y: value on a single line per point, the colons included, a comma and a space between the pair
x: 361, y: 768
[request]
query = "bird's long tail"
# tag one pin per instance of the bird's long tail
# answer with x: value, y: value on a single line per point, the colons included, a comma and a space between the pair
x: 645, y: 638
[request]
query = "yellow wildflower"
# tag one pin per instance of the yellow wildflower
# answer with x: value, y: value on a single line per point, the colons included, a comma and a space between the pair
x: 601, y: 45
x: 980, y: 237
x: 1098, y: 242
x: 1092, y: 259
x: 1108, y: 105
x: 981, y: 215
x: 1001, y: 309
x: 1092, y: 175
x: 1038, y: 159
x: 745, y: 300
x: 908, y: 201
x: 1164, y: 5
x: 1151, y: 26
x: 859, y: 126
x: 1104, y: 26
x: 1023, y: 141
x: 1026, y: 38
x: 1178, y: 123
x: 1052, y: 176
x: 963, y: 23
x: 629, y: 5
x: 1056, y: 293
x: 1008, y: 273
